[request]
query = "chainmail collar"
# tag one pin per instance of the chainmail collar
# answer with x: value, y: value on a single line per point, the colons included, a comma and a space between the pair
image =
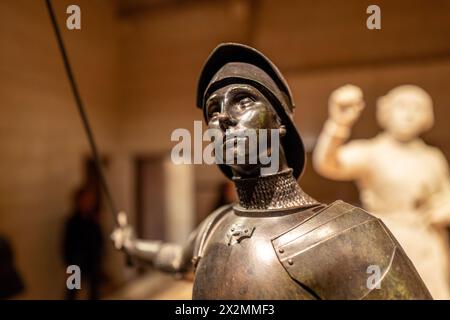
x: 272, y: 192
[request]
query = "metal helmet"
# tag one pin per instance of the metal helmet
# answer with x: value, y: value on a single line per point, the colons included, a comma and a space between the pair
x: 234, y: 63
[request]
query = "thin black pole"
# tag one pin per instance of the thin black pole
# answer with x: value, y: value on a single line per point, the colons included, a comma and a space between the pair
x: 82, y: 112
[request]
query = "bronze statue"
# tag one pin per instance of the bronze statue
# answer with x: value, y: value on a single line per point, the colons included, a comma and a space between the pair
x: 277, y: 242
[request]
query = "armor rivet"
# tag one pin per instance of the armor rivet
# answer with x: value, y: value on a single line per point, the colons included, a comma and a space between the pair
x: 290, y: 262
x: 232, y: 229
x: 281, y: 251
x: 245, y: 230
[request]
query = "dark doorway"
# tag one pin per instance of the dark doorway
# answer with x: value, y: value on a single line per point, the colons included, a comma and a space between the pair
x: 150, y: 191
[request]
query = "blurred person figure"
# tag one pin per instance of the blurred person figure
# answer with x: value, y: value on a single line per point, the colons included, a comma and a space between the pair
x: 402, y: 180
x: 11, y: 282
x: 83, y: 239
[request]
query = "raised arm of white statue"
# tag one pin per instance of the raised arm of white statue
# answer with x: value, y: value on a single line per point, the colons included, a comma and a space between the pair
x: 333, y: 158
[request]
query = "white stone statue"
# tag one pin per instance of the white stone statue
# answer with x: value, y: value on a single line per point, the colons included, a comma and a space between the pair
x: 402, y: 180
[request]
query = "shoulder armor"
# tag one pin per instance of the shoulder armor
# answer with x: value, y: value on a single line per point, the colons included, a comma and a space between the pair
x: 204, y: 230
x: 337, y: 253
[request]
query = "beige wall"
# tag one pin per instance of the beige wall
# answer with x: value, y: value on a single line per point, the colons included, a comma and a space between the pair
x: 41, y: 140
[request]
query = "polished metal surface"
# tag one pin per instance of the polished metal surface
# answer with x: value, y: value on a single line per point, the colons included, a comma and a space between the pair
x: 309, y: 252
x: 249, y: 269
x: 336, y: 252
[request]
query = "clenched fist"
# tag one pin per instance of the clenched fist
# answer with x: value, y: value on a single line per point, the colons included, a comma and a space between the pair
x: 345, y: 105
x: 123, y: 236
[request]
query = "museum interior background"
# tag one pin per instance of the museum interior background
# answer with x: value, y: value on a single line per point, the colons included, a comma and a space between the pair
x: 137, y: 63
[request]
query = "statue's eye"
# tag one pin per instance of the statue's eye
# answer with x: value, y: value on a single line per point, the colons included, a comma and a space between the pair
x: 213, y: 111
x: 245, y: 101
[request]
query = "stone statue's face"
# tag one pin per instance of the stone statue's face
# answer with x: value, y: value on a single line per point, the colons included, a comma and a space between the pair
x: 405, y: 117
x: 236, y: 108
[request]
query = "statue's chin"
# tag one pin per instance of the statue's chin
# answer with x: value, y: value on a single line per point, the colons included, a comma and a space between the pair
x: 405, y: 137
x: 245, y: 170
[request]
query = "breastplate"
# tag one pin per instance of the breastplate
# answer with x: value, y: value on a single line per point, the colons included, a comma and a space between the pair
x: 240, y: 262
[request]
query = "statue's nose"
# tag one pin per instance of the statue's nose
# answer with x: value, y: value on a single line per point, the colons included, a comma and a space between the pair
x: 225, y: 121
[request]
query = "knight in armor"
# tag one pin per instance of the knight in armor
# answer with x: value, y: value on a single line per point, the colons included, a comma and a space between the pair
x: 276, y: 242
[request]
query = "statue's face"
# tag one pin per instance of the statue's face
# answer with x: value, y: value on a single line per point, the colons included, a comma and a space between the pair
x: 238, y: 107
x: 405, y: 117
